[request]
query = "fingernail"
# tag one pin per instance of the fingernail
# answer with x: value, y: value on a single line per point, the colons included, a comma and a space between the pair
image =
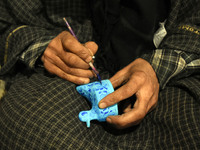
x: 109, y: 120
x: 89, y: 59
x: 102, y: 105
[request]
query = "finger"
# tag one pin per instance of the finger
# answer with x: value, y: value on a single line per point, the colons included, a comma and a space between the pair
x: 72, y: 71
x: 128, y: 119
x: 122, y: 93
x: 57, y: 71
x: 92, y: 47
x: 73, y: 60
x: 78, y: 72
x: 71, y: 44
x: 72, y: 78
x: 119, y: 78
x: 70, y: 59
x: 132, y: 117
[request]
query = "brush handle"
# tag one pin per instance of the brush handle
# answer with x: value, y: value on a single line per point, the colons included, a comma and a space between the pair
x: 70, y: 29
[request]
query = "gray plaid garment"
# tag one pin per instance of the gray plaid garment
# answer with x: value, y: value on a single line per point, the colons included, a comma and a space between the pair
x: 40, y: 111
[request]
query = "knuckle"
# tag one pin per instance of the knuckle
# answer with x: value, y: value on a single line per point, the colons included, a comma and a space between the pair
x: 83, y: 53
x: 68, y: 70
x: 71, y: 59
x: 52, y: 44
x: 112, y: 101
x: 141, y: 76
x: 64, y: 35
x: 68, y: 41
x: 47, y: 53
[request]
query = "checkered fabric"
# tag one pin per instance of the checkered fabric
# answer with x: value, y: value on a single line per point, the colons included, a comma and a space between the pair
x: 179, y: 52
x: 31, y: 26
x: 40, y: 111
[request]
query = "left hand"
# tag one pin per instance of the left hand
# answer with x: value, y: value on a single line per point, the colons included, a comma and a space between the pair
x: 137, y: 78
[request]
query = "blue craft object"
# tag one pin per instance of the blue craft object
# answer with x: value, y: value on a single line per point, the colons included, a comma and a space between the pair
x: 94, y: 92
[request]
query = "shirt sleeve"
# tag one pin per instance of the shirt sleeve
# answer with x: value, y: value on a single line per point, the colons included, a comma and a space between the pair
x: 24, y: 33
x: 169, y: 64
x: 33, y: 52
x: 27, y: 27
x: 178, y: 55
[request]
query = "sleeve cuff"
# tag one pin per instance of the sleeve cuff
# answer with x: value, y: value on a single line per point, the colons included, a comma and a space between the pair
x: 34, y: 51
x: 166, y: 63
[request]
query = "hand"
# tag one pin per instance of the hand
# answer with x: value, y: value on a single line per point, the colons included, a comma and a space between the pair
x: 137, y: 78
x: 68, y: 59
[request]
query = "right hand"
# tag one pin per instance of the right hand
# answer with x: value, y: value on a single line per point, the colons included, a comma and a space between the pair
x: 68, y: 59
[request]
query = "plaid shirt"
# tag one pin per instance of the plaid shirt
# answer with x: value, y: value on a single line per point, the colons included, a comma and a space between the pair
x: 28, y: 26
x: 178, y: 55
x: 41, y: 111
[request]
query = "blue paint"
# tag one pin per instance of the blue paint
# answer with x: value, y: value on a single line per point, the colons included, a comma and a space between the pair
x: 94, y: 92
x: 106, y: 113
x: 83, y: 113
x: 105, y: 92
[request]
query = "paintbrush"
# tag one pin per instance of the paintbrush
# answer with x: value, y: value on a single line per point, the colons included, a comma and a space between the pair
x: 90, y: 63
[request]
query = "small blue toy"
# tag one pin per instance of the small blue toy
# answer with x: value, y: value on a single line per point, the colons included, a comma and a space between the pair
x: 94, y: 92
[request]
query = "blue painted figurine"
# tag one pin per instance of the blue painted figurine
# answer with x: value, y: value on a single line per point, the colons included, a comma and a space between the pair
x: 94, y: 92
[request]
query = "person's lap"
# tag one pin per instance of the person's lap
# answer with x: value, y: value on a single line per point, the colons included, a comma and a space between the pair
x: 41, y: 112
x: 174, y: 124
